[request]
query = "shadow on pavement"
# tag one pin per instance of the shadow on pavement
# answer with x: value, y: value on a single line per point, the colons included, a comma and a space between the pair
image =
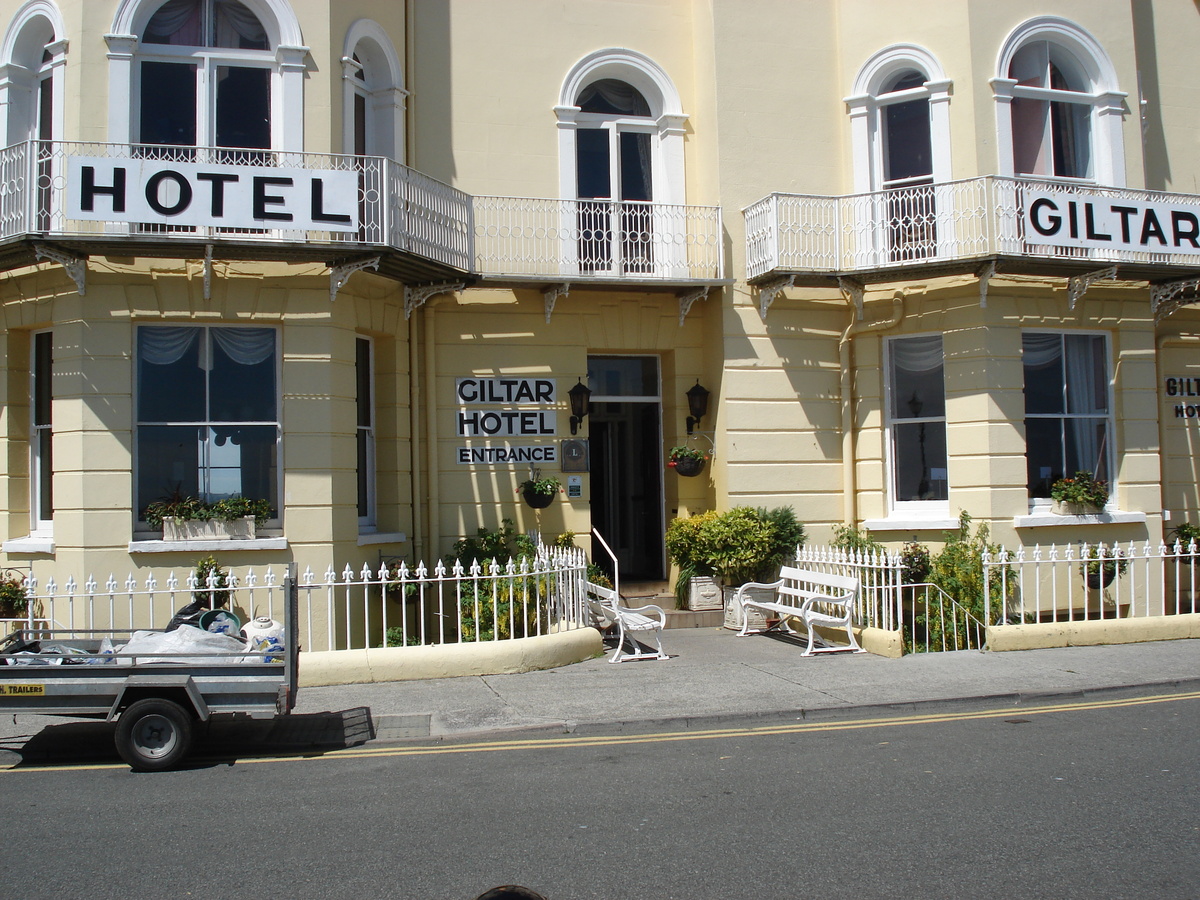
x: 221, y: 742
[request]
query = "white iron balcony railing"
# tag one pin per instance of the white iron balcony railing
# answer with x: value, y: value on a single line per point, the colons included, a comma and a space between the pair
x: 92, y: 193
x: 519, y: 237
x: 958, y: 221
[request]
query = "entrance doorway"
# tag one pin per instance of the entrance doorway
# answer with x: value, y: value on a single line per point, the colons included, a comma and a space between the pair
x: 625, y: 445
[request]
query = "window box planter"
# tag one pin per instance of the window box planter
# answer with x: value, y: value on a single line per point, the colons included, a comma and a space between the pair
x: 1074, y: 508
x: 177, y: 529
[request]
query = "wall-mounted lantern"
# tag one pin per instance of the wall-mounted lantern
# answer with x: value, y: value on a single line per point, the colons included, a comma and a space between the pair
x: 697, y: 400
x: 581, y: 405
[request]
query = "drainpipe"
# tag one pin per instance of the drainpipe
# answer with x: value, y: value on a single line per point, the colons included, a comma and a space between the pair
x: 414, y: 441
x: 432, y: 498
x: 1160, y: 342
x: 849, y: 445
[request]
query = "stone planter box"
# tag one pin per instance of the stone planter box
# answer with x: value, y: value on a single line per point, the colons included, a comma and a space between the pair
x: 703, y: 593
x: 1071, y: 508
x: 733, y: 609
x: 175, y: 529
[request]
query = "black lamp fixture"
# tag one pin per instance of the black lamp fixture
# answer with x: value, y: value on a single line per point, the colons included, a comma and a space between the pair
x: 580, y: 404
x: 697, y: 399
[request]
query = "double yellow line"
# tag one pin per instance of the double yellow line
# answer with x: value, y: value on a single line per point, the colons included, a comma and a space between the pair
x: 567, y: 741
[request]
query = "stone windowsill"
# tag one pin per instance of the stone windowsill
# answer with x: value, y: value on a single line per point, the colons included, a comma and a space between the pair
x: 31, y: 544
x: 1042, y: 517
x: 152, y: 546
x: 367, y: 538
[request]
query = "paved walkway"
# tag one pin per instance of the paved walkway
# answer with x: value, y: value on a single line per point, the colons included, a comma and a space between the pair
x: 715, y: 675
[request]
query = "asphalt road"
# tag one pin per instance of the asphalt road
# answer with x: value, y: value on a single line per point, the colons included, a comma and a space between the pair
x: 1071, y: 799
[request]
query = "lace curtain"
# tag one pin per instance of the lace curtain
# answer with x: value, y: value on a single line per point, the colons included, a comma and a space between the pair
x: 164, y: 346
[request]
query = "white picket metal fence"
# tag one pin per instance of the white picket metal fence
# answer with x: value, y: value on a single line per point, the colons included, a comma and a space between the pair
x: 391, y: 605
x: 1091, y: 582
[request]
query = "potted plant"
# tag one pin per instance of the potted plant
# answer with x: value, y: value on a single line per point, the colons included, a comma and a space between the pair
x: 695, y: 588
x: 748, y: 545
x: 686, y: 461
x: 186, y: 518
x: 1100, y: 565
x: 1187, y: 537
x: 539, y: 492
x: 1079, y: 495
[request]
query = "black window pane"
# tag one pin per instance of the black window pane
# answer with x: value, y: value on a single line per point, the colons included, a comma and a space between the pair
x: 362, y: 372
x: 623, y: 376
x: 635, y: 166
x: 1086, y: 442
x: 909, y: 147
x: 170, y: 379
x: 1043, y: 454
x: 243, y: 107
x: 168, y: 104
x: 242, y: 380
x: 43, y: 350
x: 917, y: 378
x: 591, y: 163
x: 920, y: 450
x: 364, y: 486
x: 1044, y: 374
x: 168, y: 461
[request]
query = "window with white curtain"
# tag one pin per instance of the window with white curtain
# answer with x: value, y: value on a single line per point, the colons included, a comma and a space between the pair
x: 205, y: 71
x: 1068, y: 418
x: 1051, y: 112
x: 917, y: 422
x: 207, y: 413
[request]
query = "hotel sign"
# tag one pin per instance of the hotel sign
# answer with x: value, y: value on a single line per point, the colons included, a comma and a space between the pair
x: 165, y: 192
x: 1079, y: 219
x: 506, y: 408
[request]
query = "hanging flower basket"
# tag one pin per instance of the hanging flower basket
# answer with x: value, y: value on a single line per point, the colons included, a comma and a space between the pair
x: 536, y: 500
x: 688, y: 466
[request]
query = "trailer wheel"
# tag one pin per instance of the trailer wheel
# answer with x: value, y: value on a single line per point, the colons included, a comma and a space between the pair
x: 153, y: 734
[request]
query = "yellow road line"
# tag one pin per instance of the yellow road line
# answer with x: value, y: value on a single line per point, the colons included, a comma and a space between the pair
x: 567, y: 741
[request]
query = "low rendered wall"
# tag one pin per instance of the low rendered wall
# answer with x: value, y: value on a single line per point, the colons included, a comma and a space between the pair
x: 1086, y: 634
x: 378, y: 664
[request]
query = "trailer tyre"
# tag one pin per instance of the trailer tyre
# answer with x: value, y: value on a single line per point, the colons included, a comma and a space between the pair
x: 153, y: 734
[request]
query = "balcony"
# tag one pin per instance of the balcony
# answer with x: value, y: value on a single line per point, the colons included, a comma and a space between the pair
x: 1020, y: 225
x: 628, y: 242
x: 67, y: 200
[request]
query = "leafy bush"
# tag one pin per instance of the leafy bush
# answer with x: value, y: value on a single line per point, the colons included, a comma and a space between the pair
x: 917, y: 563
x: 14, y: 602
x: 213, y: 596
x: 502, y: 544
x: 958, y: 570
x: 495, y: 608
x: 847, y: 537
x: 747, y: 544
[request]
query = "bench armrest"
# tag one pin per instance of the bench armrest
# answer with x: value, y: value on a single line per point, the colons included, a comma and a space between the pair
x: 774, y: 585
x: 648, y: 610
x: 845, y: 600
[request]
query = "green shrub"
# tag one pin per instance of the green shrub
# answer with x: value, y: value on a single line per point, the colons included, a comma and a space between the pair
x: 747, y: 544
x: 847, y: 537
x: 213, y: 597
x: 958, y: 570
x: 14, y: 602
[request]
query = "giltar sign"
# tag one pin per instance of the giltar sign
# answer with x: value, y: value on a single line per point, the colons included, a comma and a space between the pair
x: 195, y: 194
x: 1111, y: 223
x: 534, y: 416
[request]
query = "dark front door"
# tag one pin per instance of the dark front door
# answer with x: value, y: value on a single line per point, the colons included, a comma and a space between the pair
x: 626, y: 461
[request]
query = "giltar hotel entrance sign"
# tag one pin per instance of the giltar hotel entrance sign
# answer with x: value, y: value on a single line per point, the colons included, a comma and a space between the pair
x: 527, y: 410
x: 166, y: 192
x: 1081, y: 219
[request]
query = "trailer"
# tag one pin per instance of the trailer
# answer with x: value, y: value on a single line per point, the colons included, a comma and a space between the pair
x: 158, y: 699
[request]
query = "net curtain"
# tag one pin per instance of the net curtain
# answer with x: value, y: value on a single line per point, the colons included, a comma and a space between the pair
x: 167, y: 345
x: 1085, y: 391
x: 181, y: 23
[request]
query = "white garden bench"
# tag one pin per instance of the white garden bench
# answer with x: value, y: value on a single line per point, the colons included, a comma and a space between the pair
x: 814, y: 598
x: 632, y: 623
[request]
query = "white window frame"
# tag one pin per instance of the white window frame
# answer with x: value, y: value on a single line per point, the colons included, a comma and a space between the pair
x: 41, y: 520
x: 286, y: 59
x: 366, y: 433
x: 275, y: 522
x: 1044, y: 503
x: 378, y: 77
x: 911, y: 509
x: 1105, y: 99
x: 869, y: 97
x: 36, y: 28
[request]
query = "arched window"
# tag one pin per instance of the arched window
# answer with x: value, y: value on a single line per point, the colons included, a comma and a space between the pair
x: 220, y: 73
x: 373, y: 93
x: 900, y: 131
x: 1059, y: 114
x: 620, y: 149
x: 32, y: 66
